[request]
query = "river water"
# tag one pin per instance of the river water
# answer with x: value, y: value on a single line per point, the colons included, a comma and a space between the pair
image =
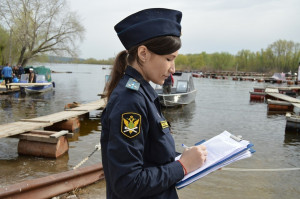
x: 220, y: 105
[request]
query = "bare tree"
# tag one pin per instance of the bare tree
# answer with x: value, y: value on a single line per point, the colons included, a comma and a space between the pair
x: 41, y: 26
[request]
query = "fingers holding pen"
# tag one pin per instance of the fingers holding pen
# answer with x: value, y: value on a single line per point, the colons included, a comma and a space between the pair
x: 203, y: 152
x: 194, y: 157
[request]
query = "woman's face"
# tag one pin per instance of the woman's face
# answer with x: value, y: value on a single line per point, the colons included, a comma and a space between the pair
x: 157, y: 68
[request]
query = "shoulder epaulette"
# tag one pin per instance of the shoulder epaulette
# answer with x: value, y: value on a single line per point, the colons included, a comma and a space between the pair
x: 133, y: 84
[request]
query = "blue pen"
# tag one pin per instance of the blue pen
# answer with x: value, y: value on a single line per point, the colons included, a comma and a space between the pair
x: 184, y: 146
x: 201, y: 142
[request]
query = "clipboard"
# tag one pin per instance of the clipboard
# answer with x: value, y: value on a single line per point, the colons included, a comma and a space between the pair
x: 223, y: 149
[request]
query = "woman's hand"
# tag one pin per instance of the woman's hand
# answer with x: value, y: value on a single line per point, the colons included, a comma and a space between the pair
x: 193, y: 157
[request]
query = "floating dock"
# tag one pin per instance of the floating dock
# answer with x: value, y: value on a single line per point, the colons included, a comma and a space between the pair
x: 52, y: 144
x: 3, y: 90
x: 282, y: 97
x: 25, y: 125
x: 277, y: 93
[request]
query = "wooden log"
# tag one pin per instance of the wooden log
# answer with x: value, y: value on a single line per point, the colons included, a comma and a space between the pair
x: 43, y: 149
x: 259, y: 90
x: 280, y: 107
x: 72, y: 125
x: 257, y: 96
x: 260, y: 80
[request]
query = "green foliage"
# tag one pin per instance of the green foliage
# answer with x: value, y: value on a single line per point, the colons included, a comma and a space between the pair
x: 4, y: 45
x: 181, y: 61
x: 100, y: 62
x: 280, y: 56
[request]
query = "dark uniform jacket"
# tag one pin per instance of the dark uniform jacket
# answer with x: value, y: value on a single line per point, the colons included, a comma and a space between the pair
x: 138, y: 150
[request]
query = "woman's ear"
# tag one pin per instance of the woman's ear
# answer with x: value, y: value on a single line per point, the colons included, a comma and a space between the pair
x: 143, y: 53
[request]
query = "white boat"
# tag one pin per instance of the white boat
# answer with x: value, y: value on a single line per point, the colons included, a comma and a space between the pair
x: 42, y: 84
x: 183, y: 91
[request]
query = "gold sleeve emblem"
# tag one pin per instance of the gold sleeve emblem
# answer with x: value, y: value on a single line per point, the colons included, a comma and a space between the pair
x: 131, y: 124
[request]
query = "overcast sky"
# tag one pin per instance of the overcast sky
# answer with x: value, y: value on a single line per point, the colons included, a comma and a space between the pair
x: 207, y: 25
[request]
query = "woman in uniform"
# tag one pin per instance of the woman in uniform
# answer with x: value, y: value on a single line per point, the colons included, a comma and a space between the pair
x: 138, y: 151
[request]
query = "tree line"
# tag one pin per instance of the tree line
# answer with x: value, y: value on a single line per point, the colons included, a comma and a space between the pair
x: 280, y: 56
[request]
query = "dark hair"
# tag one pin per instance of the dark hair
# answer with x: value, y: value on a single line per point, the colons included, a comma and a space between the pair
x: 159, y: 45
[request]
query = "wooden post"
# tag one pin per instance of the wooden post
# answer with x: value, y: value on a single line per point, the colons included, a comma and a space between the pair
x: 42, y: 145
x: 72, y: 125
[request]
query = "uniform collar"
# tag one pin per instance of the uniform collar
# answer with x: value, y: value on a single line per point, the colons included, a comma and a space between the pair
x: 137, y: 76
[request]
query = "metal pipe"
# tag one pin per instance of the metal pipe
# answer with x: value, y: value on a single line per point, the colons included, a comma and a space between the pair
x: 54, y: 185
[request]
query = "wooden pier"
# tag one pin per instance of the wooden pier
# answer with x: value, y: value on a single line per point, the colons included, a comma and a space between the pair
x: 3, y: 90
x: 282, y: 97
x: 25, y: 125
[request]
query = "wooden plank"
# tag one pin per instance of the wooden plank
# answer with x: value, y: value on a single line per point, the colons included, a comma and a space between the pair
x: 296, y: 105
x: 42, y: 132
x: 277, y: 102
x: 35, y: 120
x: 88, y: 107
x: 58, y: 134
x: 38, y: 138
x: 39, y: 132
x: 271, y: 90
x: 10, y: 91
x: 29, y: 84
x: 287, y: 88
x: 284, y: 97
x: 57, y: 117
x: 15, y: 128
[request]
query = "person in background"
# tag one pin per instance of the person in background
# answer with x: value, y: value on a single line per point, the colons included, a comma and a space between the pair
x: 32, y: 76
x: 138, y: 150
x: 167, y: 86
x: 15, y: 79
x: 15, y: 70
x: 20, y: 71
x: 7, y: 75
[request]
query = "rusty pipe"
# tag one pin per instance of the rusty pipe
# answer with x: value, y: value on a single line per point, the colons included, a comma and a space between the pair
x: 54, y: 185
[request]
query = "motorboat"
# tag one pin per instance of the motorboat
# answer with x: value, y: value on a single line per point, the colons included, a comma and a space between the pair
x: 42, y: 83
x: 182, y: 92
